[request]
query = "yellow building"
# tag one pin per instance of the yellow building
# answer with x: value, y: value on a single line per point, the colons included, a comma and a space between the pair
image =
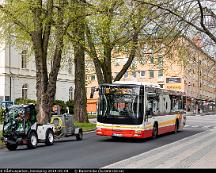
x: 183, y: 67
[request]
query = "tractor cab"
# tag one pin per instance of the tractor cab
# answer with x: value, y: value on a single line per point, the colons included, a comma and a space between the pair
x: 6, y: 104
x: 18, y: 120
x: 21, y: 128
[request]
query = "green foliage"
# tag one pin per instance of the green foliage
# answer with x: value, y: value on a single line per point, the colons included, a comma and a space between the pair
x: 70, y: 104
x: 63, y: 105
x: 86, y: 126
x: 1, y: 116
x: 20, y: 101
x: 1, y: 143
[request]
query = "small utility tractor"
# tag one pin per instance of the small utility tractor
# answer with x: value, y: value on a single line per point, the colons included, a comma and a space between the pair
x: 21, y: 128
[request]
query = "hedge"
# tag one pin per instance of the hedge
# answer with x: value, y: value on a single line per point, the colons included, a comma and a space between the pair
x: 61, y: 103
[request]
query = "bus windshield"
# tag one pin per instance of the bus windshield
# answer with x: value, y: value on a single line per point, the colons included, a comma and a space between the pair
x: 120, y: 105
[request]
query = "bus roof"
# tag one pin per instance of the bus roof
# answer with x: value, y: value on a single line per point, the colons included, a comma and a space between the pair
x: 137, y: 83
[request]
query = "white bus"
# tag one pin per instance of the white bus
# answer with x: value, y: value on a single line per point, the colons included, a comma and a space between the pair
x: 138, y: 110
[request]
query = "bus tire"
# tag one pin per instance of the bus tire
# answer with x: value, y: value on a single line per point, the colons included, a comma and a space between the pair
x: 155, y: 131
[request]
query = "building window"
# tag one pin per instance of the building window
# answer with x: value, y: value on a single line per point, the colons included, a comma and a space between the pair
x: 92, y: 92
x: 24, y: 91
x: 151, y: 73
x: 160, y: 73
x: 151, y: 59
x: 71, y: 93
x: 70, y: 65
x: 134, y: 74
x: 161, y: 85
x: 126, y: 74
x: 93, y: 77
x: 24, y: 58
x: 160, y: 61
x: 142, y: 73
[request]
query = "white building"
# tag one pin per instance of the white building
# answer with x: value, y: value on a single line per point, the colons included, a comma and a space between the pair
x: 18, y: 75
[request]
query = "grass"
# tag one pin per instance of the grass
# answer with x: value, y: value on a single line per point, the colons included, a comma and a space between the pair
x: 86, y: 126
x: 92, y: 116
x: 1, y: 143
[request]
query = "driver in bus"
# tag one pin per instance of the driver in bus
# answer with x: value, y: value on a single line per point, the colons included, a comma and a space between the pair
x: 125, y: 110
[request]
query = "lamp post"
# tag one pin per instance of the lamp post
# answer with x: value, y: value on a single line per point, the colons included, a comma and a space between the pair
x: 187, y: 91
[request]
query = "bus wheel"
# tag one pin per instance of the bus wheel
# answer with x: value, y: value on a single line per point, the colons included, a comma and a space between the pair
x: 176, y: 127
x: 155, y: 131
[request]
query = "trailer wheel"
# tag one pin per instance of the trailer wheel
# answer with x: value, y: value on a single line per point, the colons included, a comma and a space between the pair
x: 49, y: 137
x: 32, y: 140
x: 11, y: 147
x: 79, y: 136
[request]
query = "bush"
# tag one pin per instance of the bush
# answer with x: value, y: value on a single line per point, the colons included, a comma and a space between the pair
x: 1, y: 116
x: 20, y: 101
x: 61, y: 104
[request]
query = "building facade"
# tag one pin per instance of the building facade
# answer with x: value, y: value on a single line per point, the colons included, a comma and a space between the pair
x: 183, y: 67
x: 18, y: 75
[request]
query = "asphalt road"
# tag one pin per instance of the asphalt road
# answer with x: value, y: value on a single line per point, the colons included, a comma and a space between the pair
x: 95, y: 151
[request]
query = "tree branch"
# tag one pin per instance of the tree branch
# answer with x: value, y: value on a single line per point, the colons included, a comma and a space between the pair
x: 15, y: 20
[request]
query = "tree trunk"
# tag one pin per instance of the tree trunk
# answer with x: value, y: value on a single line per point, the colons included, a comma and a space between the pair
x: 46, y: 86
x: 94, y: 57
x: 107, y: 66
x: 80, y: 90
x: 130, y: 59
x: 79, y: 60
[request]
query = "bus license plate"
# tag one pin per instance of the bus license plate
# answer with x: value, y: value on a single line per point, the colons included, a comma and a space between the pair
x: 116, y: 134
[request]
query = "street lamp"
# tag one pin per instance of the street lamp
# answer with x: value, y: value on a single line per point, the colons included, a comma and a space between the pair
x: 187, y: 91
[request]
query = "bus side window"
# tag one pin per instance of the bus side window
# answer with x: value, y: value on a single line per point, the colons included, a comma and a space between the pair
x: 164, y: 104
x: 152, y: 105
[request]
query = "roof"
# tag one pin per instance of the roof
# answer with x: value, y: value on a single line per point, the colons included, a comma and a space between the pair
x: 138, y: 83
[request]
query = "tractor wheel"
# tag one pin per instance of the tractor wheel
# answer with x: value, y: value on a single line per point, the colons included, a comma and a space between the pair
x: 49, y: 137
x: 79, y: 136
x: 11, y: 147
x: 32, y: 140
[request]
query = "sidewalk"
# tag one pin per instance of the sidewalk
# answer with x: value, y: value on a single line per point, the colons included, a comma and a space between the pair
x: 201, y: 114
x: 197, y: 151
x: 93, y: 120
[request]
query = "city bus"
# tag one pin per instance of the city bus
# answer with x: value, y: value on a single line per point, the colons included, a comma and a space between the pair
x: 138, y: 110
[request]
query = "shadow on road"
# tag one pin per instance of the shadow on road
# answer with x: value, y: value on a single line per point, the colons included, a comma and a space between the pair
x: 168, y: 137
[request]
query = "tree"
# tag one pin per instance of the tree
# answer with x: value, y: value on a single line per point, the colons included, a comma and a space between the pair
x: 115, y: 27
x: 78, y: 38
x: 197, y: 16
x: 43, y: 24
